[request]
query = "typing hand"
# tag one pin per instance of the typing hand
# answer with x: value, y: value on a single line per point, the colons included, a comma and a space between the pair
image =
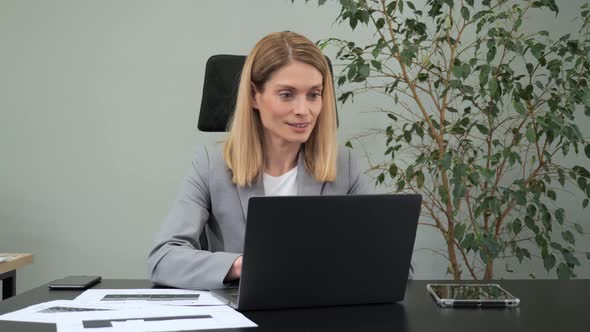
x: 235, y: 271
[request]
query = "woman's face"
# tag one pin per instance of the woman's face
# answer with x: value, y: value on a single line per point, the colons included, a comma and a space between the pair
x: 290, y: 103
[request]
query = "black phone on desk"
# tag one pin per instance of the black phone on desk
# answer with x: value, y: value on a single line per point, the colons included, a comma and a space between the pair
x: 75, y: 282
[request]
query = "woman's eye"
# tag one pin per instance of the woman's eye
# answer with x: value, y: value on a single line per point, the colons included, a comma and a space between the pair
x: 314, y: 95
x: 286, y: 95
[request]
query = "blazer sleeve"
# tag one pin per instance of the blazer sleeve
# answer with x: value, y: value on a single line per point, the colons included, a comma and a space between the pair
x: 359, y: 182
x: 177, y: 259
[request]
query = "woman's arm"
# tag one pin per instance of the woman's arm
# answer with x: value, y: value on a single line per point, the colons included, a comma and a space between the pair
x: 177, y: 258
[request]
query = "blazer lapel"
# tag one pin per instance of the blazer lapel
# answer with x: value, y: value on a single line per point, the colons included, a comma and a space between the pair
x: 306, y: 184
x: 245, y: 193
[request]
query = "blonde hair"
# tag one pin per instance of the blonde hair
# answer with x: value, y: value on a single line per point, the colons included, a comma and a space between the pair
x: 243, y: 151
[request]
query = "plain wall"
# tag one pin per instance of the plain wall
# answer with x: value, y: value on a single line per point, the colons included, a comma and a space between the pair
x: 98, y: 112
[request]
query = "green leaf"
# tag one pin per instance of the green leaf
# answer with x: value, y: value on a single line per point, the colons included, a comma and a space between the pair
x: 408, y: 136
x: 376, y: 64
x: 348, y: 144
x: 493, y: 86
x: 483, y: 75
x: 582, y: 183
x: 458, y: 192
x: 570, y: 259
x: 381, y: 178
x: 465, y: 13
x: 528, y: 221
x: 537, y: 50
x: 563, y: 271
x: 588, y: 255
x: 422, y: 77
x: 446, y: 162
x: 380, y: 23
x: 585, y: 203
x: 581, y: 171
x: 364, y: 71
x: 516, y: 226
x: 482, y: 129
x: 551, y: 194
x: 351, y: 71
x: 530, y: 68
x: 492, y: 246
x: 549, y: 262
x: 420, y: 179
x: 469, y: 243
x: 579, y: 228
x: 401, y: 185
x: 459, y: 231
x: 530, y: 135
x: 587, y: 150
x: 491, y: 54
x: 519, y: 107
x: 455, y: 84
x: 520, y: 196
x: 547, y: 220
x: 568, y: 236
x: 393, y: 170
x: 560, y: 215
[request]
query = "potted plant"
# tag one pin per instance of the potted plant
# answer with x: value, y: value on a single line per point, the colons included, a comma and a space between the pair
x: 482, y: 121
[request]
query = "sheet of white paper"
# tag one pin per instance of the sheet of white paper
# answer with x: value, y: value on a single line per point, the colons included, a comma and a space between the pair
x: 153, y: 296
x: 165, y: 318
x: 51, y: 312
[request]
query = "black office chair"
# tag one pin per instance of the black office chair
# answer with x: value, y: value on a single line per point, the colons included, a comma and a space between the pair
x: 220, y: 90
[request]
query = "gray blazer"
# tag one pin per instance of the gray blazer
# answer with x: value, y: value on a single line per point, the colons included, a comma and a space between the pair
x: 209, y: 203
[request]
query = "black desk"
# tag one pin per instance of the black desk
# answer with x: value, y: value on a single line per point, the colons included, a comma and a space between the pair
x: 546, y: 305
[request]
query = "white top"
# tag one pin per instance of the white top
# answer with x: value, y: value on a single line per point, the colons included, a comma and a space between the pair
x: 284, y: 185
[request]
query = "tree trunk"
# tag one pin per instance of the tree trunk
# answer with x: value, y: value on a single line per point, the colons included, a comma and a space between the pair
x: 452, y: 255
x: 489, y: 273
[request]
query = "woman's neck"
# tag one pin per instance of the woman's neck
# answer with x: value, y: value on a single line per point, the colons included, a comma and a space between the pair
x: 278, y: 160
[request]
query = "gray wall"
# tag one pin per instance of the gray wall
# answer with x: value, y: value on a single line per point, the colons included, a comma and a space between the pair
x: 98, y: 105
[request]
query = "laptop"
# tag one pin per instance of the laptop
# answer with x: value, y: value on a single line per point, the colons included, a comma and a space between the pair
x: 308, y: 251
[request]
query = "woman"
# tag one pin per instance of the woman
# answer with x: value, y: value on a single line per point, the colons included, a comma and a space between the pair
x: 282, y: 141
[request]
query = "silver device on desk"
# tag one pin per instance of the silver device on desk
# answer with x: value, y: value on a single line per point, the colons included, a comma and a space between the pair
x: 304, y: 251
x: 471, y: 295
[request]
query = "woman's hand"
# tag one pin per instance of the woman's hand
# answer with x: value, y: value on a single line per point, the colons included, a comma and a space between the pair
x: 235, y: 271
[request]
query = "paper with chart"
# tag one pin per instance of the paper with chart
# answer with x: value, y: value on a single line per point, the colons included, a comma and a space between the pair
x: 164, y: 318
x: 53, y: 311
x: 151, y: 296
x: 76, y: 316
x: 107, y: 310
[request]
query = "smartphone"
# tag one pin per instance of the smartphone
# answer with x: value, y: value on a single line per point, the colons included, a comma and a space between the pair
x: 471, y: 295
x: 75, y: 282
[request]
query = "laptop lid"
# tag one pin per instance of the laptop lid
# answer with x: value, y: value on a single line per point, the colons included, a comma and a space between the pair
x: 303, y: 251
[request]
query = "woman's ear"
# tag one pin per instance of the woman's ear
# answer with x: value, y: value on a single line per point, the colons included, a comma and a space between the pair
x: 255, y: 96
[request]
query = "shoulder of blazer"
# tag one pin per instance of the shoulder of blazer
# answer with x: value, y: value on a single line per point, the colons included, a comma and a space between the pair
x: 346, y: 160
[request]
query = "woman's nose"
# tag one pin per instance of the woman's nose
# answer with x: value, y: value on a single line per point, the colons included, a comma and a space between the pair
x: 301, y: 106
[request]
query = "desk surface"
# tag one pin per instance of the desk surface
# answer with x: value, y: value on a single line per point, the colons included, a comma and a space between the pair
x: 546, y: 305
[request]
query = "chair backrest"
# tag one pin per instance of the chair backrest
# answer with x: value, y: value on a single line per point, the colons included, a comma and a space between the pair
x: 220, y: 90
